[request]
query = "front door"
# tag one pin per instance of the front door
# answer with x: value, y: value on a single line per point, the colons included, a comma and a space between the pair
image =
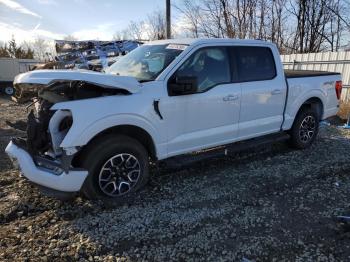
x: 208, y: 117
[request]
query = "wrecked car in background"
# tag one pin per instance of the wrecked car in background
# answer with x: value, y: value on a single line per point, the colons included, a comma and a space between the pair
x: 92, y: 55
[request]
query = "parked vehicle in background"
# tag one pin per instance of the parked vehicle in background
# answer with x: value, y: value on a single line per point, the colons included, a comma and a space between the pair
x: 9, y: 68
x: 96, y: 133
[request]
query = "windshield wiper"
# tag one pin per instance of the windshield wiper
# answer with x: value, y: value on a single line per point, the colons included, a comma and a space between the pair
x: 145, y: 80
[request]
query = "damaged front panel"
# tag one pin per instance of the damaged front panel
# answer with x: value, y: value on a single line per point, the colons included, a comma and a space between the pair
x: 29, y: 84
x: 43, y: 120
x: 102, y: 80
x: 47, y: 128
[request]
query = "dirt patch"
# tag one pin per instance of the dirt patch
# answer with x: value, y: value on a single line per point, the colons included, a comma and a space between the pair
x: 270, y: 205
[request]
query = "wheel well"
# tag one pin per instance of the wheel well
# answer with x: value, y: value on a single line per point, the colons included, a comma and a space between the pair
x: 128, y: 130
x: 314, y: 103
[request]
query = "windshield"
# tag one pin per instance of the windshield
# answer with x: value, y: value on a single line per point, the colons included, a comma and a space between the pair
x: 146, y: 62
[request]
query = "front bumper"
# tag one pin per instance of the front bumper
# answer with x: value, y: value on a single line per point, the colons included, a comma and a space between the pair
x: 65, y: 182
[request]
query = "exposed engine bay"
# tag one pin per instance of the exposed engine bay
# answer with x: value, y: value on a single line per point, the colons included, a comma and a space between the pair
x: 47, y: 128
x: 66, y: 91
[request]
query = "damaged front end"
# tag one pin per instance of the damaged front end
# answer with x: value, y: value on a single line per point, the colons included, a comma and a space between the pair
x: 39, y: 155
x: 46, y: 128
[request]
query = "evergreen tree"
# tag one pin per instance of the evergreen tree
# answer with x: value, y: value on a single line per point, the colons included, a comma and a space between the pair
x: 12, y: 50
x: 29, y: 53
x: 4, y: 51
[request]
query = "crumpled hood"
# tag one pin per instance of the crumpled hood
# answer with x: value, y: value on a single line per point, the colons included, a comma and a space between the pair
x: 46, y: 77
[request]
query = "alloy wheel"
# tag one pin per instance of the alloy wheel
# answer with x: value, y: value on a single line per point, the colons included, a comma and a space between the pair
x: 307, y: 129
x: 119, y: 174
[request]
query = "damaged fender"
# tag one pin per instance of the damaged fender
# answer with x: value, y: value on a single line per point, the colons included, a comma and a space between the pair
x: 57, y: 135
x: 92, y: 122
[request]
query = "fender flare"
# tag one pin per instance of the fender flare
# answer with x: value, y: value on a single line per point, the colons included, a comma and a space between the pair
x: 294, y: 108
x: 75, y: 137
x: 305, y: 99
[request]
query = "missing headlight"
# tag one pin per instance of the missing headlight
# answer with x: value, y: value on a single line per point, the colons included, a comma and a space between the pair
x: 66, y: 123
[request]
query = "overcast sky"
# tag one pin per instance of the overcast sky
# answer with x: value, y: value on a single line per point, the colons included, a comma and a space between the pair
x: 84, y: 19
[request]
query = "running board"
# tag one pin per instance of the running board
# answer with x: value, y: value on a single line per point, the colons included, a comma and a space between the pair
x: 226, y: 150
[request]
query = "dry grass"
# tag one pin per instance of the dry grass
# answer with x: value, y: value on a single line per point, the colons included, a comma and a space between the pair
x: 344, y: 110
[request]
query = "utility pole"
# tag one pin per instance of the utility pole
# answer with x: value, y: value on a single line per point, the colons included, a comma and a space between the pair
x: 168, y: 21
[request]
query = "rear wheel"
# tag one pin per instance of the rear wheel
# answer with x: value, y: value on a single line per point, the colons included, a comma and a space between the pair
x: 305, y: 128
x: 117, y: 166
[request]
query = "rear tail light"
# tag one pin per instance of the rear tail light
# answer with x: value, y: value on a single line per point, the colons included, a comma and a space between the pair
x: 338, y: 88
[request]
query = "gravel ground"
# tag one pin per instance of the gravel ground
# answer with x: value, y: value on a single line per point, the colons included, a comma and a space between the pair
x: 272, y: 204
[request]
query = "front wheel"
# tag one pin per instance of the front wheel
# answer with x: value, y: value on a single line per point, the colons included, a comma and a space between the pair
x: 305, y: 128
x: 118, y: 165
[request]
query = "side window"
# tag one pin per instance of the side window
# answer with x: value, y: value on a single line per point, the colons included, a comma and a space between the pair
x: 209, y: 65
x: 255, y: 63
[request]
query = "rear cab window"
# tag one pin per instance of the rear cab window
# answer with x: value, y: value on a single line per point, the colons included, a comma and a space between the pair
x: 254, y: 63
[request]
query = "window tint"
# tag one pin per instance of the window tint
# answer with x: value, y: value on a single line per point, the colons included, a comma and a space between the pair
x: 210, y: 66
x: 255, y: 63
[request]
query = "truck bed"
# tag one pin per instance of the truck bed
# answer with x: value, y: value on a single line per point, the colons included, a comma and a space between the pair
x: 304, y: 84
x: 306, y: 73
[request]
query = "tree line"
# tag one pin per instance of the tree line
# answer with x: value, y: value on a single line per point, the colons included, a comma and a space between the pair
x: 39, y: 48
x: 12, y: 50
x: 295, y: 26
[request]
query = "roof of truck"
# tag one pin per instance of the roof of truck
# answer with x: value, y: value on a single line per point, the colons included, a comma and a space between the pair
x: 196, y: 41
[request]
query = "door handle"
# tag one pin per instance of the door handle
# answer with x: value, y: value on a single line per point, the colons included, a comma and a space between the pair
x: 230, y: 98
x: 276, y: 92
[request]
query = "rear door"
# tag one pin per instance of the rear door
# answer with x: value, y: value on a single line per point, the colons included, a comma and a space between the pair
x: 263, y: 91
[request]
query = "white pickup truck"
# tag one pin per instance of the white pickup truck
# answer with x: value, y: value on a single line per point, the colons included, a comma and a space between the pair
x: 96, y: 133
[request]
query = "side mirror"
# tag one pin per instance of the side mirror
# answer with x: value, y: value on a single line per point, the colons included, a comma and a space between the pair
x: 182, y: 85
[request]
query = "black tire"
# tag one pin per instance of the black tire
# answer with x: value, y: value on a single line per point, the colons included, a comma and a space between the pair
x: 106, y: 152
x: 9, y: 90
x: 305, y: 128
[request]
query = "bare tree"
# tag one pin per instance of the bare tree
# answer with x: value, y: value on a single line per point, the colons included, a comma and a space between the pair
x: 314, y: 25
x: 192, y: 13
x: 294, y: 25
x: 339, y: 25
x: 122, y: 35
x: 136, y: 29
x: 44, y: 49
x: 278, y: 19
x: 156, y: 25
x: 228, y: 23
x: 70, y: 38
